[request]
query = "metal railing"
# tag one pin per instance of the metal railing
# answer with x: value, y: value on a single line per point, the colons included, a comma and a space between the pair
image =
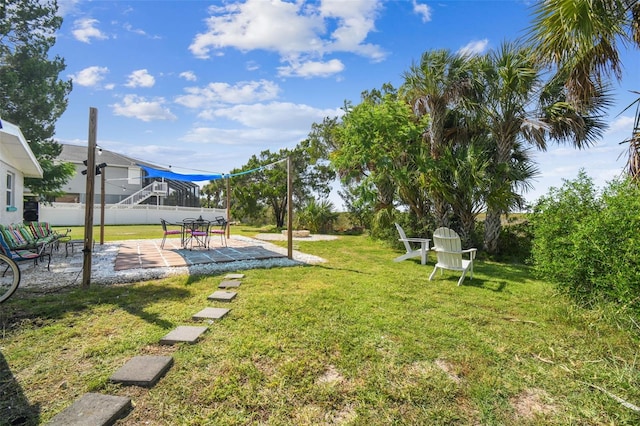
x: 153, y: 189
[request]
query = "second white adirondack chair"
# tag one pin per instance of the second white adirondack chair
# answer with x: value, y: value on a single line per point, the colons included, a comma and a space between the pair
x: 411, y: 251
x: 449, y: 252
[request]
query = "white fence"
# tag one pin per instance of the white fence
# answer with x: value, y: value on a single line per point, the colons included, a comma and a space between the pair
x: 71, y: 214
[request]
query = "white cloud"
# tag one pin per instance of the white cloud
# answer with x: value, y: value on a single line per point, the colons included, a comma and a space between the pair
x: 423, y: 10
x: 85, y: 29
x: 140, y: 78
x: 90, y: 76
x: 188, y: 75
x: 622, y: 124
x: 312, y: 69
x: 133, y: 30
x: 225, y: 93
x: 146, y: 110
x: 66, y: 7
x: 475, y: 47
x: 245, y: 138
x: 252, y: 66
x: 297, y: 31
x: 276, y: 115
x: 354, y: 21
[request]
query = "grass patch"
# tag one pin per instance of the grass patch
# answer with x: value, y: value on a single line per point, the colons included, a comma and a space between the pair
x: 357, y: 340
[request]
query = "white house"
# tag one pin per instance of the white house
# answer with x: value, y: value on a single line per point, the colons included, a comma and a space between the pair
x: 17, y: 161
x: 121, y: 177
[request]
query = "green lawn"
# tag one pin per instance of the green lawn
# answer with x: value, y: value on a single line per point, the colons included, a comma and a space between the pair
x: 359, y: 340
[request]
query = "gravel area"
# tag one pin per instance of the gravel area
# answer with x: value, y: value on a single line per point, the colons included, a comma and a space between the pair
x: 66, y: 271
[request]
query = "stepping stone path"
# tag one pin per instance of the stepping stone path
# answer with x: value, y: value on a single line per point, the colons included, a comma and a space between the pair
x: 94, y: 409
x: 183, y: 333
x: 142, y: 371
x: 234, y: 276
x: 230, y: 284
x: 222, y: 296
x: 210, y: 313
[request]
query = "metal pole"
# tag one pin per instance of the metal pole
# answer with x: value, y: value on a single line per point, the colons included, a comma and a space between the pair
x: 102, y: 181
x: 228, y: 206
x: 289, y: 209
x: 88, y: 214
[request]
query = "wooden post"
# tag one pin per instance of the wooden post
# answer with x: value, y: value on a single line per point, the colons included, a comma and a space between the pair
x: 88, y: 213
x: 228, y: 228
x: 102, y: 181
x: 289, y: 209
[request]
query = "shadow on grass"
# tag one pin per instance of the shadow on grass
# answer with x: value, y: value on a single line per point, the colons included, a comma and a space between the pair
x: 14, y: 405
x: 134, y: 299
x: 496, y: 286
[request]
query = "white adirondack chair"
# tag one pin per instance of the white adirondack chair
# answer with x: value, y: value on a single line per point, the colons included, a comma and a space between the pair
x: 449, y: 253
x: 411, y: 251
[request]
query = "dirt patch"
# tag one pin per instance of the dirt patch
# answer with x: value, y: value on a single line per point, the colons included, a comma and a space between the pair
x: 330, y: 376
x: 532, y: 402
x: 448, y: 369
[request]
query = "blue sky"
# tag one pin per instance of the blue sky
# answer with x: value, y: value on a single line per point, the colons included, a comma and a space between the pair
x: 201, y: 86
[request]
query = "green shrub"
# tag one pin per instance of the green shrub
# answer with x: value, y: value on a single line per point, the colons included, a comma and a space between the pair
x: 587, y: 243
x: 317, y: 217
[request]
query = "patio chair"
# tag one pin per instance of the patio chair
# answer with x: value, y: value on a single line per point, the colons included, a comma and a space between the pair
x: 42, y: 231
x: 21, y: 255
x: 411, y: 250
x: 221, y: 230
x: 196, y: 231
x: 166, y: 231
x: 449, y: 253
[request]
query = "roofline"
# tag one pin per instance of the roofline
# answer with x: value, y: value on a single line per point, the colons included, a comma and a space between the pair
x: 14, y: 130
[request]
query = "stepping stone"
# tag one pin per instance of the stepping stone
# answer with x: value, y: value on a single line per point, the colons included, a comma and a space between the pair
x: 229, y: 284
x: 234, y: 276
x: 94, y: 409
x: 142, y: 371
x: 222, y: 296
x: 183, y: 333
x: 210, y: 313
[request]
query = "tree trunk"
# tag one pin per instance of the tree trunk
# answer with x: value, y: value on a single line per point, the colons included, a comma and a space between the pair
x: 492, y: 228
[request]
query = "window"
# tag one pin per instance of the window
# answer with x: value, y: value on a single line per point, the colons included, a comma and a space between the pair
x: 133, y: 176
x: 10, y: 192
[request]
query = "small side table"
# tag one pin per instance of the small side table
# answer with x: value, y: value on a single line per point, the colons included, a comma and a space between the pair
x: 72, y: 244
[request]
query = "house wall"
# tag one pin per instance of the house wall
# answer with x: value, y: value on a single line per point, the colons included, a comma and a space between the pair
x: 6, y: 215
x: 71, y: 214
x: 117, y: 185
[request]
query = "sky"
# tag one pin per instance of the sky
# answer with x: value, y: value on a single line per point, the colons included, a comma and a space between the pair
x: 202, y: 86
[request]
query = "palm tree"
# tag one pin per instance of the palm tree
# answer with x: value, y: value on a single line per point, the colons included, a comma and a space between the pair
x: 507, y: 86
x: 435, y: 86
x: 580, y: 39
x: 519, y: 110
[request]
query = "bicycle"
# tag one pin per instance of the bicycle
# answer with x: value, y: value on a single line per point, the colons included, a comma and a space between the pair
x: 10, y: 278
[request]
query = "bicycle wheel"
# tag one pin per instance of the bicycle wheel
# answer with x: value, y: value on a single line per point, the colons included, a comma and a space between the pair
x: 9, y: 277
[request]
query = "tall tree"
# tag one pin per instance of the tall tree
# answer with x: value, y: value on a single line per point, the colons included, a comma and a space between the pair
x: 518, y: 109
x: 33, y: 95
x: 264, y: 185
x: 434, y: 86
x: 579, y: 38
x: 379, y: 141
x: 507, y: 87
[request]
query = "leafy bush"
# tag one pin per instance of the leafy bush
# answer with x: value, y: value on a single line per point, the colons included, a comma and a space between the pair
x: 317, y: 217
x: 587, y: 243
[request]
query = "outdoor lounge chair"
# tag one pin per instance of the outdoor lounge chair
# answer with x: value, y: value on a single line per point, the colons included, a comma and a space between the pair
x: 166, y: 231
x: 22, y: 255
x: 18, y: 236
x: 42, y: 231
x: 411, y: 251
x: 449, y: 253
